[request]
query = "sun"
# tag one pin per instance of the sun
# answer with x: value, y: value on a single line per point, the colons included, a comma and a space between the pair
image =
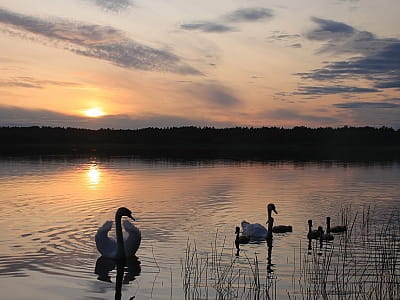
x: 94, y: 112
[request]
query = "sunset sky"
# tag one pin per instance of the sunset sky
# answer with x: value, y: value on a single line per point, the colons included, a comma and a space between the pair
x: 134, y: 63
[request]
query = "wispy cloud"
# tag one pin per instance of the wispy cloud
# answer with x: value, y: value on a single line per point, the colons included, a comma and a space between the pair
x: 330, y: 30
x: 377, y: 60
x: 290, y: 40
x: 326, y: 90
x: 370, y: 105
x: 296, y: 116
x: 101, y: 42
x: 208, y: 27
x: 296, y: 45
x: 281, y: 36
x: 29, y: 82
x: 114, y: 5
x: 214, y: 94
x: 251, y: 14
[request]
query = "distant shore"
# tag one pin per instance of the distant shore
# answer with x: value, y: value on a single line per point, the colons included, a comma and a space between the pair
x: 241, y: 143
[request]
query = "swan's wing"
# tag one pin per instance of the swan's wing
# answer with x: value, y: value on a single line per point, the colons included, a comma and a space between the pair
x: 106, y: 246
x: 256, y: 231
x: 133, y: 238
x: 244, y: 225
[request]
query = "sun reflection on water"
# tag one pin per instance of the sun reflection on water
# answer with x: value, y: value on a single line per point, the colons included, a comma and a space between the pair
x: 93, y: 175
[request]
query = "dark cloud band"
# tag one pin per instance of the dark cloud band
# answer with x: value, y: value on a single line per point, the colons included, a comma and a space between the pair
x: 377, y: 60
x: 101, y: 42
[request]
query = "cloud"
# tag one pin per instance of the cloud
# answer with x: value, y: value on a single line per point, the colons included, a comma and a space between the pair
x: 114, y: 5
x: 341, y: 38
x: 281, y: 36
x: 208, y: 27
x: 377, y: 60
x: 329, y: 29
x: 29, y: 82
x: 326, y: 90
x: 214, y: 94
x: 17, y: 116
x: 293, y: 115
x: 370, y: 105
x: 296, y: 45
x: 101, y: 42
x: 290, y: 40
x: 372, y: 113
x: 250, y: 14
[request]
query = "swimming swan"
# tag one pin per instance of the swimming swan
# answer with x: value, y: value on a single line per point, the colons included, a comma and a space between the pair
x: 280, y: 228
x: 122, y: 247
x: 257, y: 232
x: 335, y: 229
x: 325, y: 236
x: 312, y: 234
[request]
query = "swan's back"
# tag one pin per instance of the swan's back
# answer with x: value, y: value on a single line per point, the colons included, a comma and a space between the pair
x: 254, y: 232
x: 104, y: 244
x: 133, y: 238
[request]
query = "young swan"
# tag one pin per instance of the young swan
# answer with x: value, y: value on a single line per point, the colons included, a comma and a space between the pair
x: 335, y: 229
x: 312, y: 234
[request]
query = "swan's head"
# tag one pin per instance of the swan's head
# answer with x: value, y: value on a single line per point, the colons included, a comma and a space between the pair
x: 237, y: 230
x: 271, y: 207
x: 310, y: 223
x: 123, y: 211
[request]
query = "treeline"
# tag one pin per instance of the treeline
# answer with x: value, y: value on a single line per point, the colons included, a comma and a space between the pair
x: 207, y: 142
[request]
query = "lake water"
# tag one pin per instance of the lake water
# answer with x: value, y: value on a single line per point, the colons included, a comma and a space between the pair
x: 52, y: 207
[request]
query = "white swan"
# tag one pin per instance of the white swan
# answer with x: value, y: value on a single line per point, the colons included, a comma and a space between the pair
x: 122, y: 247
x: 257, y: 232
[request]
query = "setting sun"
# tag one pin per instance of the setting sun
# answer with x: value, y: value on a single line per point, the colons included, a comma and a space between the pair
x: 94, y: 112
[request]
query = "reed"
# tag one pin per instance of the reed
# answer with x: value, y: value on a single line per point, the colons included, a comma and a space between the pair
x: 219, y: 273
x: 363, y: 263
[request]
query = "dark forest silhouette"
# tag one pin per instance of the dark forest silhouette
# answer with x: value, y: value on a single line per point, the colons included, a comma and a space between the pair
x: 264, y: 143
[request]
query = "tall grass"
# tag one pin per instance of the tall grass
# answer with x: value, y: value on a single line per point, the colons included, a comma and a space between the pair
x: 363, y: 263
x: 220, y: 274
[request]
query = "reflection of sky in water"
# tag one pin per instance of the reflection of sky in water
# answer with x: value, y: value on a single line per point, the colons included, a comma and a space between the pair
x: 51, y: 209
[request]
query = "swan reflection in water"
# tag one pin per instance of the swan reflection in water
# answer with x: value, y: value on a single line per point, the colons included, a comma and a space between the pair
x: 127, y: 270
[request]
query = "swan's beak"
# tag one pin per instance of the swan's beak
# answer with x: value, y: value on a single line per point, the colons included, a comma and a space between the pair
x: 275, y: 211
x: 130, y: 216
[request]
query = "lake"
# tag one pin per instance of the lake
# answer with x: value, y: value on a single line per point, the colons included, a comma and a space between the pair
x: 51, y: 208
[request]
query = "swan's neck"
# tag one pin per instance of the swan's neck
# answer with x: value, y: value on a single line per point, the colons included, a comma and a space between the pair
x: 120, y: 238
x: 269, y: 213
x: 270, y: 225
x: 328, y: 225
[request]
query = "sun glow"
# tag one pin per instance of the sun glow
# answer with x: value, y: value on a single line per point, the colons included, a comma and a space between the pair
x: 94, y: 112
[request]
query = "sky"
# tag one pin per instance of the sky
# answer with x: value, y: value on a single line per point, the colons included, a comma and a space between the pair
x: 128, y: 64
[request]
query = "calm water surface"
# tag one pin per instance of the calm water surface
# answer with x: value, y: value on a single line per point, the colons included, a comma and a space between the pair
x: 51, y: 209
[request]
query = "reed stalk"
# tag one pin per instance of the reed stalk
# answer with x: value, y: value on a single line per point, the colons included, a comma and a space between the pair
x: 220, y: 274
